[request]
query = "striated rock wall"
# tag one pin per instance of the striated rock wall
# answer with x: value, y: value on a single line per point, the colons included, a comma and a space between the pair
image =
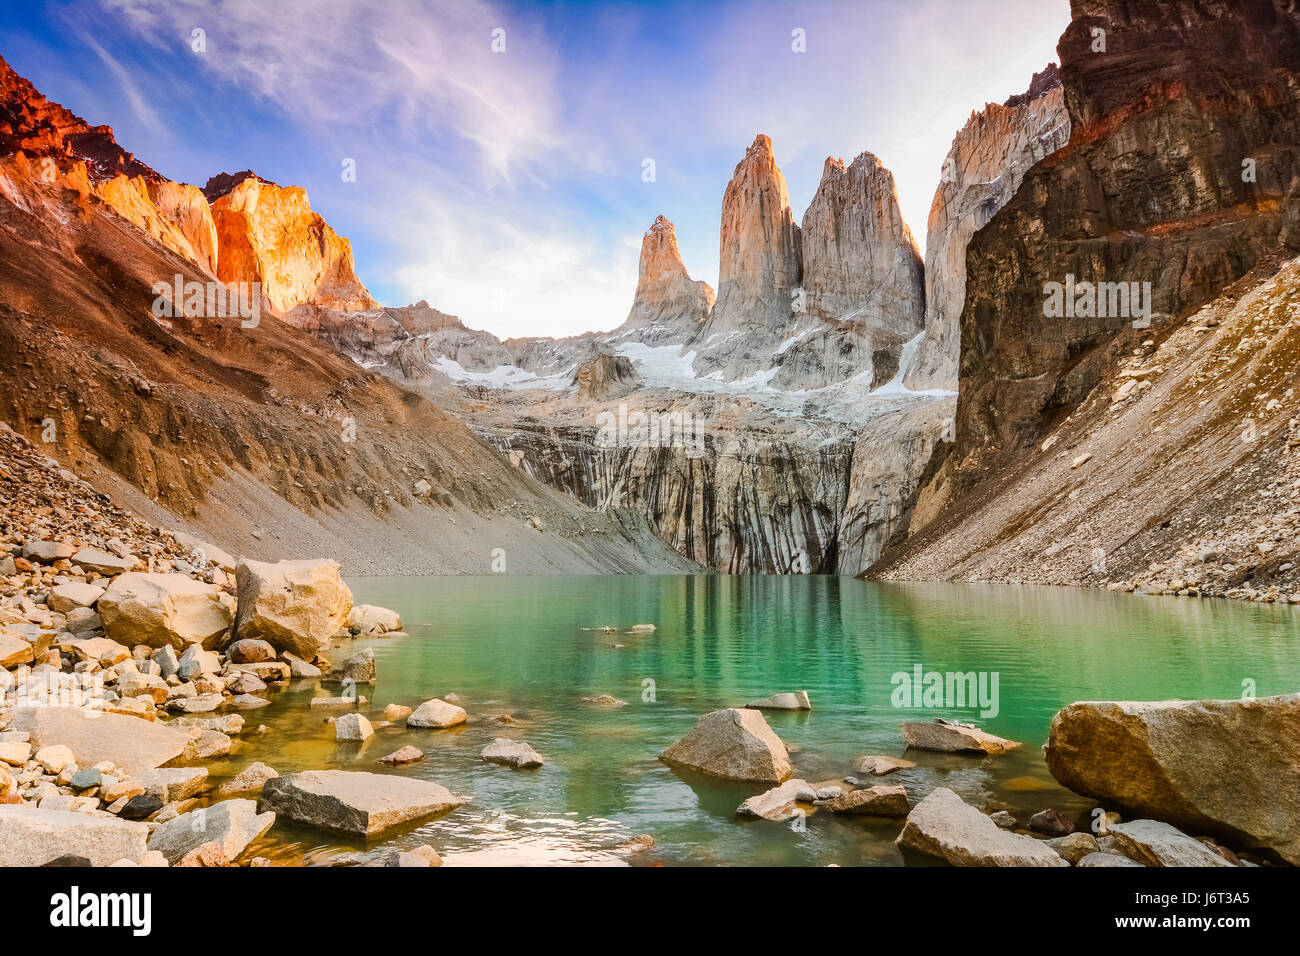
x: 988, y: 159
x: 269, y: 234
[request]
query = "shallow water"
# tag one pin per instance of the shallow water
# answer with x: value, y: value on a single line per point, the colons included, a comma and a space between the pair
x: 525, y: 646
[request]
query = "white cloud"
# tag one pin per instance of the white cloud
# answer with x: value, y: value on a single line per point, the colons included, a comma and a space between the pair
x: 347, y: 62
x: 143, y: 111
x: 497, y: 276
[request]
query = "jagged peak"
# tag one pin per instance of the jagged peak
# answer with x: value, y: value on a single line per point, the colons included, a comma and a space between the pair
x: 223, y: 184
x: 1041, y: 83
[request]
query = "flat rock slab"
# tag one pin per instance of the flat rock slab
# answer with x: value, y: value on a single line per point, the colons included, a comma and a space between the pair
x: 946, y: 826
x: 878, y: 801
x: 1106, y: 859
x: 351, y: 801
x: 778, y: 804
x: 879, y: 766
x: 32, y: 837
x: 954, y: 738
x: 798, y: 700
x: 232, y: 824
x: 1153, y: 843
x: 169, y: 784
x: 512, y: 753
x: 1227, y: 768
x: 734, y: 743
x: 132, y: 744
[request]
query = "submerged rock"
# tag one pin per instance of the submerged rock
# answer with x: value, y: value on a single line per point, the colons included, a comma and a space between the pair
x: 370, y: 619
x: 798, y: 700
x: 879, y: 766
x: 733, y: 743
x: 1229, y: 768
x: 945, y: 826
x: 403, y: 755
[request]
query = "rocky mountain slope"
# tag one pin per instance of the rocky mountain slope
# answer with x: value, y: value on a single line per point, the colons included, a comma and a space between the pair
x: 262, y: 438
x: 1146, y: 447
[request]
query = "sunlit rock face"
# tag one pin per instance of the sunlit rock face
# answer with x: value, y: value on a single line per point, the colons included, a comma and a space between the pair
x: 759, y: 267
x: 669, y: 305
x: 176, y: 214
x: 988, y: 159
x: 269, y: 234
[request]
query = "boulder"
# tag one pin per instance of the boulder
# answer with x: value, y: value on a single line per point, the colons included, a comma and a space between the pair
x: 1226, y: 768
x: 512, y: 753
x: 33, y: 837
x: 878, y: 801
x: 47, y: 552
x: 1153, y: 843
x: 879, y: 766
x: 294, y: 606
x: 733, y: 743
x: 68, y: 597
x: 135, y: 684
x: 778, y: 804
x: 169, y: 784
x: 249, y: 780
x: 104, y: 562
x: 1106, y: 859
x: 249, y: 651
x: 353, y: 727
x: 131, y: 744
x: 369, y: 619
x: 1051, y: 822
x: 165, y: 610
x: 945, y: 826
x: 946, y: 737
x: 396, y: 712
x: 103, y: 650
x: 798, y: 700
x: 359, y: 668
x: 437, y: 714
x: 1075, y: 846
x: 403, y: 755
x: 421, y: 856
x: 196, y: 662
x: 14, y: 651
x: 354, y: 801
x: 232, y: 824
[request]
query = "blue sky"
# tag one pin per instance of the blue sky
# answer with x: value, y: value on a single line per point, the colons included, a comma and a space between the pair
x: 507, y: 187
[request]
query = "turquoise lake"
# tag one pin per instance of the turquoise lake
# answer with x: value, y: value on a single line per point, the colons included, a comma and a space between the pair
x: 532, y: 647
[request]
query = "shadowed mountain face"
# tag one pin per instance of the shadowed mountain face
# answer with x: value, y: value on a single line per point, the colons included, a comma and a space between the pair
x: 1150, y: 446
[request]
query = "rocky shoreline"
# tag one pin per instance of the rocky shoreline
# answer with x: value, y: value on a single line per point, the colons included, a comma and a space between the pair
x: 133, y: 656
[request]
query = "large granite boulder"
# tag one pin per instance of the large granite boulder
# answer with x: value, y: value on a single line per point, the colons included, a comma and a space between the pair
x: 1229, y: 768
x: 233, y: 824
x: 132, y: 744
x: 32, y: 837
x: 734, y: 743
x: 294, y: 606
x: 354, y: 801
x: 165, y: 610
x: 945, y: 826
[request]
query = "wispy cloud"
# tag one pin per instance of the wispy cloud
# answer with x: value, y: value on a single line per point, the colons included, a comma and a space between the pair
x: 144, y: 112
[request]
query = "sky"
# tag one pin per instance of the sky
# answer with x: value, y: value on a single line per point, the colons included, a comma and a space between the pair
x: 509, y: 156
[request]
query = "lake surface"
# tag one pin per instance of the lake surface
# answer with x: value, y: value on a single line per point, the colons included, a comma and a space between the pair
x: 531, y: 647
